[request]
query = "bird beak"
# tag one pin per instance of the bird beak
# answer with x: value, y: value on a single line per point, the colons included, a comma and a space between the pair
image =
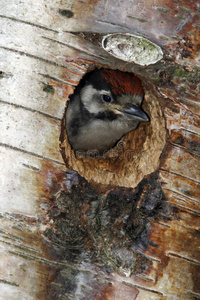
x: 132, y: 112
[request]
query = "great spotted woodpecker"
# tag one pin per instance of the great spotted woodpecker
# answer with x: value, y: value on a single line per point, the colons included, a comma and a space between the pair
x: 104, y: 107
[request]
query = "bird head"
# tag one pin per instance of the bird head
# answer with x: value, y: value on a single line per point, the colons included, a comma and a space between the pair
x: 105, y: 106
x: 115, y: 93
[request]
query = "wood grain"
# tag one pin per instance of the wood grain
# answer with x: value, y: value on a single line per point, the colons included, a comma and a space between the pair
x: 43, y: 54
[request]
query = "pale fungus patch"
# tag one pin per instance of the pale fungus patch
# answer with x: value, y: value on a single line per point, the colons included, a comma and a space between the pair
x: 132, y: 48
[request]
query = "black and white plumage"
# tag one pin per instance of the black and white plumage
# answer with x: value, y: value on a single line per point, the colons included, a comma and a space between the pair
x: 104, y: 107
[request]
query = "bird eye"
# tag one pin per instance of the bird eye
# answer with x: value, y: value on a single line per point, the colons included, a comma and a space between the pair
x: 106, y: 98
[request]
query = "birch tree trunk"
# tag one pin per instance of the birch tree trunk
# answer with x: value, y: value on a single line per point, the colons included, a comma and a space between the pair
x: 120, y: 227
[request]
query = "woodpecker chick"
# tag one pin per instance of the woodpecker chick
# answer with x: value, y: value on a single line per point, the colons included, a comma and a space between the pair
x: 104, y: 107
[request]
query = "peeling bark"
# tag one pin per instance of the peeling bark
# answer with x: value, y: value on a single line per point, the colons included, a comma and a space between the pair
x: 129, y: 234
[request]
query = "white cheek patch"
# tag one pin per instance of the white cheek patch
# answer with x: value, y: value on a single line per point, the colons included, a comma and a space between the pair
x: 90, y: 97
x: 87, y: 97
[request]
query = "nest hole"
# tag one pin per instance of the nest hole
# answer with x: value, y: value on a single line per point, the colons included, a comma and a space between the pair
x: 136, y: 155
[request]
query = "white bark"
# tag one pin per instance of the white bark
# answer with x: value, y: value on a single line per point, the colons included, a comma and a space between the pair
x: 34, y: 46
